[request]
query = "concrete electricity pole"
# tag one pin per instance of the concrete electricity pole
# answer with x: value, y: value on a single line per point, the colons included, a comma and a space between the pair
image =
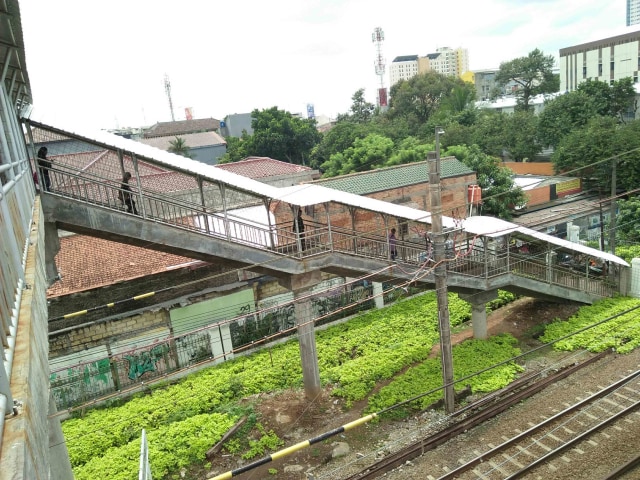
x: 440, y: 273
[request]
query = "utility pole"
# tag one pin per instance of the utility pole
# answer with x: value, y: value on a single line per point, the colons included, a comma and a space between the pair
x: 440, y: 274
x: 612, y: 213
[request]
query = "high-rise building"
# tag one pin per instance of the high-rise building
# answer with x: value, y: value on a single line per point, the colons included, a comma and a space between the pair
x: 446, y: 61
x: 449, y: 62
x: 633, y: 12
x: 403, y: 68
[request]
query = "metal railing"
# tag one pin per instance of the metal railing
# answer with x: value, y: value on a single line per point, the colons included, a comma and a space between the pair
x: 317, y: 238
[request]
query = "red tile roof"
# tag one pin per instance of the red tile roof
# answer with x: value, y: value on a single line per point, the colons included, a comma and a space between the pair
x: 85, y: 263
x: 261, y: 167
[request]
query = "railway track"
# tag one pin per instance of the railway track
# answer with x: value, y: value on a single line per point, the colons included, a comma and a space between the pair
x: 471, y: 416
x: 555, y: 435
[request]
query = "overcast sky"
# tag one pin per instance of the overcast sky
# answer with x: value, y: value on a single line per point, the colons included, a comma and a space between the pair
x: 102, y: 63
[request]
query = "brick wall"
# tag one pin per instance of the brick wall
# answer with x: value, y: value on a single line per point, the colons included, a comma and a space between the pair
x: 530, y: 168
x: 537, y: 196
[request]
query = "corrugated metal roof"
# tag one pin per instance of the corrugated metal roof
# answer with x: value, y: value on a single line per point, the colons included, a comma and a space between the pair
x: 261, y: 167
x: 181, y: 127
x: 495, y: 227
x: 389, y: 178
x: 193, y: 140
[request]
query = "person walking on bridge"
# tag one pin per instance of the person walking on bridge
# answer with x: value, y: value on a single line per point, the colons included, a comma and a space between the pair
x: 298, y: 227
x: 125, y: 194
x: 392, y: 244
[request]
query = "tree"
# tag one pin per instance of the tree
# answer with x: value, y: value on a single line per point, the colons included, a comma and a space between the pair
x: 580, y: 151
x: 236, y: 150
x: 367, y: 153
x: 499, y: 192
x: 410, y: 150
x: 280, y: 135
x: 628, y: 220
x: 488, y: 133
x: 361, y: 110
x: 532, y: 73
x: 616, y: 100
x: 564, y: 114
x: 419, y: 97
x: 179, y: 147
x: 520, y: 135
x: 338, y: 139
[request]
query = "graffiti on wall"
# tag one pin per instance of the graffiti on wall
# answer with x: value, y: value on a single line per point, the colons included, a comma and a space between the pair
x: 77, y: 384
x: 146, y: 360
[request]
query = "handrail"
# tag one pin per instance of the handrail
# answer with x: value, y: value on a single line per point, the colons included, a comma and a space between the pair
x: 317, y: 238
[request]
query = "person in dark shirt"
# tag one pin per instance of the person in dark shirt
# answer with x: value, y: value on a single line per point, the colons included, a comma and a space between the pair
x: 126, y: 197
x: 392, y: 244
x: 44, y: 165
x: 299, y: 223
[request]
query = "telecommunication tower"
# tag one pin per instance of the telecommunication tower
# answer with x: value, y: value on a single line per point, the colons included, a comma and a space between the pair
x: 380, y: 65
x: 167, y: 89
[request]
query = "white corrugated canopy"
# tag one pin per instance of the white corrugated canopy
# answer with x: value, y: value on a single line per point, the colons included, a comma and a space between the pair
x: 495, y: 227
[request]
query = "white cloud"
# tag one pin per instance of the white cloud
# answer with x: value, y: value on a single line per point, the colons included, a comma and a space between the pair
x: 104, y: 62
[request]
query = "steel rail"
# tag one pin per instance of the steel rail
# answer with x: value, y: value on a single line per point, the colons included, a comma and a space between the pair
x: 514, y: 440
x: 510, y: 396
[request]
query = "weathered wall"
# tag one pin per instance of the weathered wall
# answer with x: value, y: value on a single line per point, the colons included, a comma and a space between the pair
x: 530, y: 168
x: 25, y: 447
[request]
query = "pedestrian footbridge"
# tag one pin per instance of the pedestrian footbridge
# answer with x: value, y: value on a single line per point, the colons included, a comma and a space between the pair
x: 207, y: 213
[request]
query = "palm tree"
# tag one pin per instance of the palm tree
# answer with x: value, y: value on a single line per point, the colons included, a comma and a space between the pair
x: 179, y: 147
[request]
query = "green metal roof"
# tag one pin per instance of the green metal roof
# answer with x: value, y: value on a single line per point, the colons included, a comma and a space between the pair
x: 363, y: 183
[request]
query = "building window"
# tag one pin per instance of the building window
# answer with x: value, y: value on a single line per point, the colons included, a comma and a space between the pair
x: 612, y: 66
x: 635, y: 79
x: 599, y: 69
x: 584, y: 72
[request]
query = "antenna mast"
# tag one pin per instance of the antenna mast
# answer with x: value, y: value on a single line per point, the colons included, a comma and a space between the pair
x: 377, y: 37
x: 167, y: 89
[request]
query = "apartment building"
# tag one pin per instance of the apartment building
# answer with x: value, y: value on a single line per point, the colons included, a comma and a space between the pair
x: 403, y: 68
x: 606, y: 60
x: 633, y: 12
x: 447, y: 61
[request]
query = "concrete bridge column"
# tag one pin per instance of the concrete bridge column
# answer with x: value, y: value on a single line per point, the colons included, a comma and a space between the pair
x: 51, y: 249
x: 300, y: 285
x: 478, y: 301
x: 378, y: 294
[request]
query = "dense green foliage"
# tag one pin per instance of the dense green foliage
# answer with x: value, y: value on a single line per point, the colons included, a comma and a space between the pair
x: 589, y: 151
x: 628, y: 221
x: 621, y: 332
x: 469, y: 358
x: 628, y: 252
x: 276, y: 134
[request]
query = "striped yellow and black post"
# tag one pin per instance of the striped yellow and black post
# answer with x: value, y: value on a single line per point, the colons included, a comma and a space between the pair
x: 294, y: 448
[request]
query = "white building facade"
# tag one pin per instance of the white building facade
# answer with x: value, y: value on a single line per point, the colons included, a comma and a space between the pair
x: 633, y: 12
x: 403, y: 68
x: 606, y: 60
x: 450, y: 62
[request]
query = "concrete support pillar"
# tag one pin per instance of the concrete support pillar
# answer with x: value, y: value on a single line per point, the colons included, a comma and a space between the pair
x: 301, y: 285
x: 478, y: 301
x: 51, y: 248
x: 59, y: 463
x: 377, y: 294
